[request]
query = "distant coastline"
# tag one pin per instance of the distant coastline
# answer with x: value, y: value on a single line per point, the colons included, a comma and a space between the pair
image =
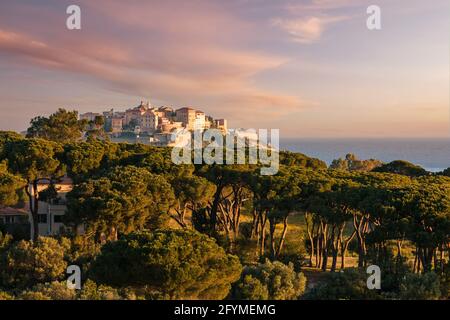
x: 433, y: 154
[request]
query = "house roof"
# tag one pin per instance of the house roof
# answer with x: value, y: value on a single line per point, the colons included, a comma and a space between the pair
x: 10, y: 211
x: 63, y: 181
x: 185, y: 109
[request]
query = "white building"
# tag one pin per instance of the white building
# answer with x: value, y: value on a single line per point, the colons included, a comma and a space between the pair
x: 148, y: 121
x: 186, y: 116
x: 200, y: 121
x: 50, y: 214
x: 191, y: 119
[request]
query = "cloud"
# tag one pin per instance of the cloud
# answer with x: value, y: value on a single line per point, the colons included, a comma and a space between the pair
x: 322, y: 5
x: 205, y: 75
x: 305, y: 30
x: 198, y: 53
x: 255, y: 100
x: 305, y: 22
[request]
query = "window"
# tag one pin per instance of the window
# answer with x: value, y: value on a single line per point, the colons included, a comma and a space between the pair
x: 42, y: 218
x: 57, y: 219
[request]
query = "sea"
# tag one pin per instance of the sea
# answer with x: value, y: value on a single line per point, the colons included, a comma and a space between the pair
x: 431, y: 154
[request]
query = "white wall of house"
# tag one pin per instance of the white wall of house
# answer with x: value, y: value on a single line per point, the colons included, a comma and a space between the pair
x: 51, y: 217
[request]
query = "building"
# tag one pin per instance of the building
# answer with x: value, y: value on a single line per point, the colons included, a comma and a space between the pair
x: 13, y: 218
x: 116, y: 124
x: 221, y: 124
x: 162, y: 139
x: 108, y: 114
x: 50, y: 213
x: 89, y: 116
x: 191, y: 119
x: 148, y: 121
x: 186, y: 116
x: 119, y: 114
x: 209, y: 122
x: 166, y: 112
x: 134, y: 115
x: 200, y: 120
x: 170, y: 126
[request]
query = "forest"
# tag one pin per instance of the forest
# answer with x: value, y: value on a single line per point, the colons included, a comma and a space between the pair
x: 157, y: 230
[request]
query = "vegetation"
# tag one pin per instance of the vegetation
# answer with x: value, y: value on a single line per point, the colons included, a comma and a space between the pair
x: 62, y: 126
x: 34, y: 160
x: 348, y: 285
x: 127, y: 199
x: 168, y: 263
x: 24, y: 264
x: 156, y: 230
x: 270, y: 280
x: 402, y: 167
x: 352, y: 163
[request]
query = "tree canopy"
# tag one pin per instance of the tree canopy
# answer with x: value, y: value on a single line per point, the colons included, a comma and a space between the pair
x: 176, y: 264
x: 27, y: 263
x: 402, y: 167
x: 62, y: 126
x: 157, y: 230
x: 125, y: 200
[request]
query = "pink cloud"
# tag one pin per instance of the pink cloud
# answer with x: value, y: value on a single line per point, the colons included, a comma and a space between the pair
x: 306, y: 30
x: 194, y: 74
x: 179, y: 52
x: 323, y: 5
x: 306, y: 21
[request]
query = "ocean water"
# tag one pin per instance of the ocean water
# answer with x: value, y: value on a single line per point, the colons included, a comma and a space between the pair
x: 431, y: 154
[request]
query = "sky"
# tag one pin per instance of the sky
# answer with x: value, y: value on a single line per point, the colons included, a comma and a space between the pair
x: 310, y: 68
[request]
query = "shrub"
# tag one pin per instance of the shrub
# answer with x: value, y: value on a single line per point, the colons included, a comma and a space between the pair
x: 297, y: 259
x: 348, y: 285
x: 91, y: 291
x: 420, y: 287
x: 5, y: 241
x: 25, y: 263
x: 270, y: 280
x: 402, y: 167
x: 251, y: 288
x: 445, y: 282
x: 6, y: 296
x: 81, y: 251
x: 49, y: 291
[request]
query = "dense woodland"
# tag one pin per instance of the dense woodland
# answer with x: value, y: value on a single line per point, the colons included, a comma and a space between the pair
x: 156, y: 230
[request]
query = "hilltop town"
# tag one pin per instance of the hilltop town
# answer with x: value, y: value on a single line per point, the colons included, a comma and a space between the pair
x: 156, y: 123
